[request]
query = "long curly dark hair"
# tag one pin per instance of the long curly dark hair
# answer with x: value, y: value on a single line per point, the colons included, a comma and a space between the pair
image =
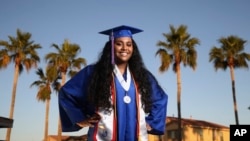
x: 99, y: 89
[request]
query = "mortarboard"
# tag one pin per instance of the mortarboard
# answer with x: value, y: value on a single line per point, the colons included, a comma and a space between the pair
x: 120, y: 31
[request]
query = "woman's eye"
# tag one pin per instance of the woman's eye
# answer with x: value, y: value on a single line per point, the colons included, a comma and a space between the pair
x: 118, y: 44
x: 129, y: 45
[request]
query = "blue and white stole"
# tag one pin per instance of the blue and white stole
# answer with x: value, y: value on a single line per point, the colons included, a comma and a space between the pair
x: 126, y: 121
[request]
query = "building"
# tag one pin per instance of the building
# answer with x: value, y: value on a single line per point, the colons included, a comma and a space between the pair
x: 195, y: 130
x: 68, y: 138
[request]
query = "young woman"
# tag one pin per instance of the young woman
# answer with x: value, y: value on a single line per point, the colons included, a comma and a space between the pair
x: 117, y: 97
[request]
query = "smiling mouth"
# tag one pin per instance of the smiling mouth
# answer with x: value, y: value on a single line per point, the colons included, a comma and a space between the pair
x: 124, y: 54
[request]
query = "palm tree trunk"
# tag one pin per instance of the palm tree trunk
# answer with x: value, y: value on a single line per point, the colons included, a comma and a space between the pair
x: 13, y: 98
x: 46, y: 129
x: 179, y: 101
x: 234, y: 95
x: 59, y: 132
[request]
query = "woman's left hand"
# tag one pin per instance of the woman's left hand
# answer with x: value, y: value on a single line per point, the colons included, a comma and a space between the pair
x: 148, y: 127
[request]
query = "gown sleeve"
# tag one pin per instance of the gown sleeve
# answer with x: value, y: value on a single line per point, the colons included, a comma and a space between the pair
x: 157, y: 116
x: 72, y: 100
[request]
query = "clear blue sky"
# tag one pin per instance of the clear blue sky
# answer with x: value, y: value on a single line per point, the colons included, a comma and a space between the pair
x: 206, y: 94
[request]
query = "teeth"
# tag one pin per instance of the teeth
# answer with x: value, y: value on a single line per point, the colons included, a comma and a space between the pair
x: 124, y: 54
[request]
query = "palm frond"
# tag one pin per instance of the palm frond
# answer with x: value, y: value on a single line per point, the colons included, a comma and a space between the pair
x: 166, y: 59
x: 230, y: 53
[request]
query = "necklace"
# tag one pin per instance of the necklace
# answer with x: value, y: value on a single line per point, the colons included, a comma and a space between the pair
x: 125, y: 84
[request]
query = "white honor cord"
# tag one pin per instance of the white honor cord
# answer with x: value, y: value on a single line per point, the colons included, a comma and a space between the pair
x: 125, y: 84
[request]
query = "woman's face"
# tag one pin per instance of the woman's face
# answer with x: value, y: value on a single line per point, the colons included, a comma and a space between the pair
x: 123, y: 48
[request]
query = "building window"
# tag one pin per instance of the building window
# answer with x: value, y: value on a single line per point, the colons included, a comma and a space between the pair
x: 221, y: 136
x: 215, y: 136
x: 172, y: 134
x: 200, y: 133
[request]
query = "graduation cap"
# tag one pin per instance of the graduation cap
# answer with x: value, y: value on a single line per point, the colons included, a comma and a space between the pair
x: 117, y: 32
x: 121, y: 31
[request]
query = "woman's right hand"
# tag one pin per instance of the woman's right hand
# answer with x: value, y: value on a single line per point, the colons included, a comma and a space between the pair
x: 90, y: 121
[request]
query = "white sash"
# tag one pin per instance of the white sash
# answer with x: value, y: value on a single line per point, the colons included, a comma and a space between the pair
x: 125, y: 84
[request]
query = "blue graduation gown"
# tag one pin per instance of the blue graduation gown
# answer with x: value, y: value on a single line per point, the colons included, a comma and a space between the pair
x: 73, y: 108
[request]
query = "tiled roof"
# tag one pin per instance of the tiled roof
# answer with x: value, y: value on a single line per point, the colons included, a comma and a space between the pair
x: 55, y: 137
x: 194, y: 122
x: 65, y: 138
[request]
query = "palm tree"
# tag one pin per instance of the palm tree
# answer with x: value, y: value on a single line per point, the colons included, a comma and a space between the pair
x: 44, y: 92
x: 4, y: 58
x: 178, y: 48
x: 230, y: 55
x: 23, y: 53
x: 66, y: 63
